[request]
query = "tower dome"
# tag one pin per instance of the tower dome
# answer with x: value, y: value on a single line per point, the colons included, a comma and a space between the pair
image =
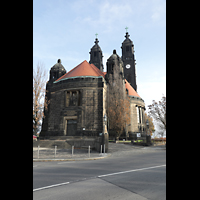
x: 114, y: 60
x: 57, y: 70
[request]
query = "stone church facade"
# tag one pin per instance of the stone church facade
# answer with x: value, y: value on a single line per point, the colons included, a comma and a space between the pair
x: 78, y: 98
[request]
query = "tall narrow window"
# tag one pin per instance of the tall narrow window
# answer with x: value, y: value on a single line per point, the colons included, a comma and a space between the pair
x: 139, y: 115
x: 67, y: 98
x: 78, y: 98
x: 127, y: 48
x: 74, y: 98
x: 138, y: 118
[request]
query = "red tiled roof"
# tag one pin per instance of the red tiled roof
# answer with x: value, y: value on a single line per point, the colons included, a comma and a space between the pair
x: 86, y: 69
x: 131, y: 91
x: 83, y: 69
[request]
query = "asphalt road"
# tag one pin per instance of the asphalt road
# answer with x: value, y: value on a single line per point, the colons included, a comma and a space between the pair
x: 132, y: 174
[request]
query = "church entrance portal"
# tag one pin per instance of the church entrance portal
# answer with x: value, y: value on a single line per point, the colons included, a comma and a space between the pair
x: 71, y: 127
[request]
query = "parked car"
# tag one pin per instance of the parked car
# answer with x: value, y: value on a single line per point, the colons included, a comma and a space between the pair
x: 34, y: 138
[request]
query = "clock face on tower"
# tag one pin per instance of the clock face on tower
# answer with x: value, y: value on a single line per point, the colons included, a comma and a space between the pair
x: 128, y: 66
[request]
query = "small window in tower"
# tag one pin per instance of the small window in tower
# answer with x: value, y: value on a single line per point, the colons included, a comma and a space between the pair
x: 127, y: 48
x: 95, y: 54
x: 54, y: 75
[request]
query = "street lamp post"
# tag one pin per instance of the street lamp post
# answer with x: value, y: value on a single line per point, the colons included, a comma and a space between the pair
x: 147, y: 124
x: 104, y: 123
x: 148, y: 136
x: 104, y: 134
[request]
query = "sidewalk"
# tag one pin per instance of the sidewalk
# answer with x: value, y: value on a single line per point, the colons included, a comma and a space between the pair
x: 115, y: 150
x: 48, y: 154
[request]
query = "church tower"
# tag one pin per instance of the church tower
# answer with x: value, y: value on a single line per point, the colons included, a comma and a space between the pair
x: 55, y: 72
x: 115, y: 76
x: 96, y: 56
x: 128, y: 59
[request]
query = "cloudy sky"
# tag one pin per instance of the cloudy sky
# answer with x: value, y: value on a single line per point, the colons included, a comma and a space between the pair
x: 66, y: 29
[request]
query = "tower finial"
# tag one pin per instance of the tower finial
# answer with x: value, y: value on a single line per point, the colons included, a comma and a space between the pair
x: 96, y: 40
x: 126, y: 29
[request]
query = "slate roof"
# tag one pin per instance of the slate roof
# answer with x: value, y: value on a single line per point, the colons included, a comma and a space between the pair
x: 58, y: 66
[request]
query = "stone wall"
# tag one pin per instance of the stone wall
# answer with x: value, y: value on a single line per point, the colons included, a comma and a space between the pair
x: 88, y: 113
x: 136, y: 127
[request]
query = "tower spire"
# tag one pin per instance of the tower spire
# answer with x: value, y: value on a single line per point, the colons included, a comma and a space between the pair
x: 96, y: 55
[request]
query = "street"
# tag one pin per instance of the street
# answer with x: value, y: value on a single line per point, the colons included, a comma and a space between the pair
x: 132, y: 174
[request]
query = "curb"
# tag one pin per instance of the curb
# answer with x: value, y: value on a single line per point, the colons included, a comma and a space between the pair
x: 70, y: 159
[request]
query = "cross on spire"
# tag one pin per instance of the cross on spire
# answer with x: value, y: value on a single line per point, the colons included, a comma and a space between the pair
x: 126, y: 29
x: 96, y: 34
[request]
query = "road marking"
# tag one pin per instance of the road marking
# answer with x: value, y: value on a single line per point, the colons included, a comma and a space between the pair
x: 50, y: 186
x: 130, y: 171
x: 60, y: 163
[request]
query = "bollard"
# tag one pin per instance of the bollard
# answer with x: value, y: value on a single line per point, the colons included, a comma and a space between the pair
x: 89, y: 151
x: 55, y: 151
x: 38, y: 151
x: 101, y: 150
x: 104, y: 149
x: 72, y: 151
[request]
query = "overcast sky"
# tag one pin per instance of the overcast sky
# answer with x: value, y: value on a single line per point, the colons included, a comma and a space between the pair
x: 66, y: 29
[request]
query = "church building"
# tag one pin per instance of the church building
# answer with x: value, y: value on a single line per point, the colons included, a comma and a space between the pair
x: 79, y: 99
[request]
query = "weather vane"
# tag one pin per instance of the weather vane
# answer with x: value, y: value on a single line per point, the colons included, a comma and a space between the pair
x: 126, y: 29
x: 96, y: 34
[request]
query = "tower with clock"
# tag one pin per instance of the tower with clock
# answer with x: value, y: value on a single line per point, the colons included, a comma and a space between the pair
x: 128, y: 59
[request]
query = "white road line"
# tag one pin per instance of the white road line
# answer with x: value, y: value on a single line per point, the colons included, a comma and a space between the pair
x: 130, y: 171
x: 60, y: 163
x: 50, y: 186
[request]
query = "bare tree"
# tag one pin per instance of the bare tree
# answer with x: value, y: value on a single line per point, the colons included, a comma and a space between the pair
x: 119, y: 115
x: 151, y: 125
x: 39, y: 101
x: 158, y: 112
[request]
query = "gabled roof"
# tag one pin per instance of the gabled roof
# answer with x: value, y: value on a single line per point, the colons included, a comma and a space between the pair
x: 86, y: 69
x: 83, y: 69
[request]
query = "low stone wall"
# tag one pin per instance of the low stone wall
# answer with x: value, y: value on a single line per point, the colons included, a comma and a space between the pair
x: 93, y: 142
x: 66, y: 142
x: 61, y: 144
